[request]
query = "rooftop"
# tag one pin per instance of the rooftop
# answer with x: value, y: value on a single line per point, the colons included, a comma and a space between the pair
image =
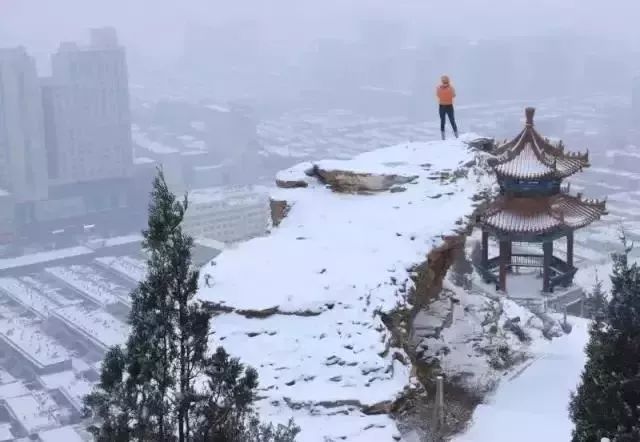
x: 84, y: 280
x: 530, y: 156
x: 74, y: 387
x: 5, y: 432
x: 228, y: 195
x: 42, y: 257
x: 98, y: 326
x: 62, y: 434
x: 542, y: 214
x: 28, y: 297
x: 27, y: 338
x: 34, y: 411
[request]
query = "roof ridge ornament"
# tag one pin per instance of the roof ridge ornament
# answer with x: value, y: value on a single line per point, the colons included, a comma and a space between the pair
x: 529, y: 113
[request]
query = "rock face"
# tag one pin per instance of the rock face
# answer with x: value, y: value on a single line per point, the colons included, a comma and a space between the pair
x: 483, y: 144
x: 295, y: 177
x: 346, y: 181
x: 279, y: 210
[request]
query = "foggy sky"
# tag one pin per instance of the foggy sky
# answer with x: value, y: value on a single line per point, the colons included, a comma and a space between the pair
x: 156, y: 27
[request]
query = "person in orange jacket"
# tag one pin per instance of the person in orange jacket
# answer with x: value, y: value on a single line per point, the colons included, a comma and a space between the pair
x: 446, y: 93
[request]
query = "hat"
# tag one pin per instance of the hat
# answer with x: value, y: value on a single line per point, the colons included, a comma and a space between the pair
x: 445, y: 79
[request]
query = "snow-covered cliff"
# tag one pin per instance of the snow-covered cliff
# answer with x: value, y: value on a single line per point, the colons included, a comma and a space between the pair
x: 303, y: 305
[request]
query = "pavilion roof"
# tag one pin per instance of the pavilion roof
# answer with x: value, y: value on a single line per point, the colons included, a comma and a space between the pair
x: 541, y: 215
x: 531, y: 156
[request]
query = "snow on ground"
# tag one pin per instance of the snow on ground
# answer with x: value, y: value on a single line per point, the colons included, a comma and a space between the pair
x: 476, y: 327
x: 531, y: 406
x: 331, y: 266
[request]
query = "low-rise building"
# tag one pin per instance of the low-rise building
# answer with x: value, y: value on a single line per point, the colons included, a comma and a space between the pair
x: 227, y: 214
x: 33, y: 412
x: 96, y: 327
x: 27, y: 340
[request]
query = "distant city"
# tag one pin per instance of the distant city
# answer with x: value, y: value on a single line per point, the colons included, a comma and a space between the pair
x: 79, y: 150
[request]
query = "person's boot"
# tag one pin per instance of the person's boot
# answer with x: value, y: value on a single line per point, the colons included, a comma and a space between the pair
x: 442, y: 134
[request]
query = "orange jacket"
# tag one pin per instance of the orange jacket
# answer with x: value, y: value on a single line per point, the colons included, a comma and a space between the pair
x: 446, y: 93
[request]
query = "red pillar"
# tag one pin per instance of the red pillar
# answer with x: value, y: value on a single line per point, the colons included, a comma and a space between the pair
x: 570, y: 249
x: 504, y: 263
x: 547, y: 248
x: 485, y: 249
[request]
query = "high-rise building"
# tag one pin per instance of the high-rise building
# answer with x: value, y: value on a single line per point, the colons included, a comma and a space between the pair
x: 23, y: 166
x: 87, y: 114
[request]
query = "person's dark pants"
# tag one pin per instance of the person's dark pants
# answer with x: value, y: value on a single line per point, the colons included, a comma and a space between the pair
x: 446, y: 110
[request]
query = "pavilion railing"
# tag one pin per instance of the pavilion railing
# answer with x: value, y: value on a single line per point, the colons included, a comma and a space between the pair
x: 561, y: 274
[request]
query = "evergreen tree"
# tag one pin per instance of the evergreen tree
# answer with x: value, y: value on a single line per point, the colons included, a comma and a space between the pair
x: 147, y: 390
x: 607, y: 401
x: 596, y: 302
x: 225, y: 414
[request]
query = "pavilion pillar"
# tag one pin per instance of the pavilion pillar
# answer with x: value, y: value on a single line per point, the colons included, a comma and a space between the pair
x: 509, y: 250
x: 570, y: 249
x: 504, y: 265
x: 547, y: 248
x: 485, y: 249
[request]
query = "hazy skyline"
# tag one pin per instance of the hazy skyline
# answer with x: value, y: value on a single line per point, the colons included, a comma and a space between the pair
x: 156, y: 27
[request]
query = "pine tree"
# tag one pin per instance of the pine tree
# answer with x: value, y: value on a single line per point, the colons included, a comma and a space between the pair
x: 225, y: 414
x: 607, y: 401
x: 596, y: 302
x: 147, y: 390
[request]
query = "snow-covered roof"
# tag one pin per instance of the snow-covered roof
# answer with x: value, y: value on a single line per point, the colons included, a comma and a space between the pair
x: 542, y: 215
x: 42, y: 257
x: 32, y: 343
x: 74, y: 387
x: 29, y: 297
x: 332, y: 265
x: 142, y: 160
x: 97, y: 326
x: 142, y: 140
x: 62, y: 434
x: 530, y: 156
x: 127, y: 266
x: 5, y: 432
x: 231, y: 195
x: 34, y: 411
x: 85, y: 281
x: 13, y: 389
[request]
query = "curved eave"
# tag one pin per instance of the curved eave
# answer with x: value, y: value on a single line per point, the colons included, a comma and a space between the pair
x: 538, y: 150
x: 510, y: 217
x: 530, y: 176
x: 504, y: 148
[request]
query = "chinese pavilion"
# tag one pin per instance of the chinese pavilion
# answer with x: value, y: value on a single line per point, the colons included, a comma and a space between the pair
x: 533, y: 207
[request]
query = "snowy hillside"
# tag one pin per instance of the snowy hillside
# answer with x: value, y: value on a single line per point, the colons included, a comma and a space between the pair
x: 532, y: 405
x: 303, y: 304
